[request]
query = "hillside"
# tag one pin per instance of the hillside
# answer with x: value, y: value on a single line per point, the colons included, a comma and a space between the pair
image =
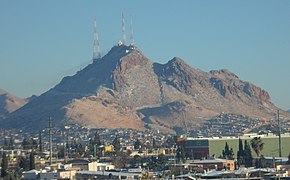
x: 9, y: 103
x: 126, y: 89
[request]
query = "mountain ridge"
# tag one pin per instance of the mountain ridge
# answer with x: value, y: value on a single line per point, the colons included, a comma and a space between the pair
x: 126, y: 89
x: 9, y: 103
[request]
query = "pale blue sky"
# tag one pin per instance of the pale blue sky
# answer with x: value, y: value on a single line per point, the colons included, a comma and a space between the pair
x: 43, y: 41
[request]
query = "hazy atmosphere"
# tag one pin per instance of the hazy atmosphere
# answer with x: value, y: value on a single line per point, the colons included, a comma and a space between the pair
x: 41, y: 42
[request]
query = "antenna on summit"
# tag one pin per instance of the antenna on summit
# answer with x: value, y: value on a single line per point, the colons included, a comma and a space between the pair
x: 131, y: 33
x: 97, y: 51
x: 123, y: 30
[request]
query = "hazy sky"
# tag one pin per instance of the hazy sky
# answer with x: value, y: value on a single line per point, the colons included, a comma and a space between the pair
x: 43, y: 41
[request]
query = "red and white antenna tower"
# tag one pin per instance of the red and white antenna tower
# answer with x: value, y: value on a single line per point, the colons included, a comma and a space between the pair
x: 96, y: 51
x: 131, y: 33
x: 123, y: 30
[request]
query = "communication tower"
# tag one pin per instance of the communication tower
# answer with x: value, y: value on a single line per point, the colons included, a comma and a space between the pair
x: 123, y: 30
x: 131, y: 33
x: 97, y: 51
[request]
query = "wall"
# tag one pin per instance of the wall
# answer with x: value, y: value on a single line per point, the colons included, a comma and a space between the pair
x: 270, y: 146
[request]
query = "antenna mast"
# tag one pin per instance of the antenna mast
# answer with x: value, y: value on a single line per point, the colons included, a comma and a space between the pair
x: 131, y: 33
x: 97, y: 51
x: 123, y: 30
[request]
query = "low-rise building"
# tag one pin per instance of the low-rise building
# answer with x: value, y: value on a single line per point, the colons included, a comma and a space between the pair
x: 31, y: 175
x: 96, y: 166
x: 84, y: 175
x: 66, y: 174
x: 48, y: 175
x: 79, y: 164
x: 217, y: 164
x: 283, y: 170
x: 201, y: 147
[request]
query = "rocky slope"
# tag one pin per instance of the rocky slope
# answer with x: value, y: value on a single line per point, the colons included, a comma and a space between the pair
x: 9, y: 103
x: 126, y: 89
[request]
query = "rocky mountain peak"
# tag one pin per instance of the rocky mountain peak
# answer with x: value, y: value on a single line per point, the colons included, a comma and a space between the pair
x: 224, y: 74
x: 254, y: 91
x: 176, y: 60
x: 178, y: 74
x: 126, y: 89
x: 132, y: 59
x: 9, y: 103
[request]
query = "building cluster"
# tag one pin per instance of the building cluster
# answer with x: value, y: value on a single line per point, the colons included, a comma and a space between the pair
x: 81, y: 153
x: 227, y: 125
x: 237, y: 125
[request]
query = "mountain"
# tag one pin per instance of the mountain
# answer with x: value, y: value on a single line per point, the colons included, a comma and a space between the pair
x: 125, y: 89
x: 9, y: 103
x: 31, y: 98
x: 288, y: 110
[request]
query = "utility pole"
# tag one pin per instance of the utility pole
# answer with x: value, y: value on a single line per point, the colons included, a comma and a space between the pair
x: 40, y: 142
x: 50, y: 139
x: 67, y: 146
x: 279, y: 134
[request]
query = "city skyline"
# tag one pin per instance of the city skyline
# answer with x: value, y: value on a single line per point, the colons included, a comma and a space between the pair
x: 43, y: 42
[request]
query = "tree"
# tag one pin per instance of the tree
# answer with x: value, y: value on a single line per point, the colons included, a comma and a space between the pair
x: 257, y: 146
x: 180, y: 153
x: 231, y: 154
x: 11, y: 143
x: 31, y: 161
x: 228, y: 153
x: 29, y: 143
x: 157, y: 163
x: 248, y: 155
x: 116, y: 143
x: 225, y: 151
x: 262, y: 162
x: 136, y: 160
x: 96, y: 140
x: 288, y: 162
x: 137, y: 144
x: 80, y: 148
x: 94, y: 145
x: 61, y: 151
x: 170, y: 141
x: 15, y: 173
x: 154, y: 144
x: 240, y: 153
x: 23, y: 163
x: 161, y: 161
x: 121, y: 159
x: 152, y: 163
x: 5, y: 146
x: 4, y: 166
